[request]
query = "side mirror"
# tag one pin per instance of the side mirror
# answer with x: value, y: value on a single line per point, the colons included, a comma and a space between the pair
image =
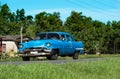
x: 63, y: 39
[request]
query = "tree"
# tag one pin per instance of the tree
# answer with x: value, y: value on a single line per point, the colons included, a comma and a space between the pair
x: 30, y: 31
x: 48, y: 22
x: 20, y: 15
x: 116, y: 35
x: 4, y: 19
x: 74, y: 21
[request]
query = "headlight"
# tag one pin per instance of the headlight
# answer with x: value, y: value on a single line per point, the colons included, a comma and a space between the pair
x: 20, y: 46
x: 48, y: 44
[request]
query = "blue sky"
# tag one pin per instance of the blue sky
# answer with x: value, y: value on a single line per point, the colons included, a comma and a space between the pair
x: 102, y: 10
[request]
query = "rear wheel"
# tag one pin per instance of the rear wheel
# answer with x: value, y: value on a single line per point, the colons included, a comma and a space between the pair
x: 76, y: 55
x: 26, y: 58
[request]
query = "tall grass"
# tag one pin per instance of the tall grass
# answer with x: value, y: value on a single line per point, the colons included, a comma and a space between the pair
x: 103, y: 69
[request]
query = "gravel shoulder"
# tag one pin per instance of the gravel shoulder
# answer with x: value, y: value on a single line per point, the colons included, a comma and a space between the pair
x: 51, y: 61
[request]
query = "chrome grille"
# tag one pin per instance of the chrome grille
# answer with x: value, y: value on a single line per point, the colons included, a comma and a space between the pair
x: 36, y: 49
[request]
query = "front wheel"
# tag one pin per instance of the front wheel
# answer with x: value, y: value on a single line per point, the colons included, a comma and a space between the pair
x: 54, y: 56
x: 26, y: 58
x: 76, y: 55
x: 48, y: 57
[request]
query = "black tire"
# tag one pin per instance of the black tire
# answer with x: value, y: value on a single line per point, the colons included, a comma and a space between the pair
x: 48, y: 57
x: 54, y: 56
x: 76, y: 55
x: 26, y: 58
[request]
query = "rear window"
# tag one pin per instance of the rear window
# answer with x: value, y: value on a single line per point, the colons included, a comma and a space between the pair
x: 42, y: 36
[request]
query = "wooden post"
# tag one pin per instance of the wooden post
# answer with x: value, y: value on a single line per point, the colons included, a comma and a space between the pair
x: 21, y: 34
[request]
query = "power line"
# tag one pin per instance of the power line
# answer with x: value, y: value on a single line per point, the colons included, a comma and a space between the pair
x: 106, y: 4
x: 87, y: 5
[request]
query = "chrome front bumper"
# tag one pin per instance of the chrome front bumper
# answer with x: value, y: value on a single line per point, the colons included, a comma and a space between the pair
x: 35, y: 53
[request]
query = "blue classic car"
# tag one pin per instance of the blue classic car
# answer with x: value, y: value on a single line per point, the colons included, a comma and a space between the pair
x: 51, y: 45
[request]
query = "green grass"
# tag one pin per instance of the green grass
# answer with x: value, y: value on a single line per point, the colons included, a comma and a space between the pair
x: 99, y: 56
x: 103, y: 69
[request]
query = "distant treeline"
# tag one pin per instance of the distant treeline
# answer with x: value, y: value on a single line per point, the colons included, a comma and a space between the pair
x: 96, y: 36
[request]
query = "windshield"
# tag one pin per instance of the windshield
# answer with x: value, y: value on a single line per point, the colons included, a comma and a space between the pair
x: 42, y: 36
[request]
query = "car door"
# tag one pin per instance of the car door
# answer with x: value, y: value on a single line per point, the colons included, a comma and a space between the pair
x: 67, y: 45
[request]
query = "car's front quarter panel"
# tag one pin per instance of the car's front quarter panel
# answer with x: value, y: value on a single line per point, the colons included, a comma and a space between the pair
x: 42, y: 45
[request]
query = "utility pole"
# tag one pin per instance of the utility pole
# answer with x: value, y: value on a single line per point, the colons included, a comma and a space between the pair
x: 21, y: 29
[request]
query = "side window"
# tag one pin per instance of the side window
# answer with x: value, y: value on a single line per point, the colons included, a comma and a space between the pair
x: 53, y: 36
x: 72, y: 39
x: 68, y: 38
x: 63, y: 37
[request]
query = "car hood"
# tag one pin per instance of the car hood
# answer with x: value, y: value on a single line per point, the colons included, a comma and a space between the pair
x: 39, y: 43
x: 35, y: 43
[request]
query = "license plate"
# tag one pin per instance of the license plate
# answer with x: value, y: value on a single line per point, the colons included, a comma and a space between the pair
x: 34, y: 52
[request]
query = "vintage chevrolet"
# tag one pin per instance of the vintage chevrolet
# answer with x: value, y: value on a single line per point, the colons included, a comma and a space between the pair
x: 51, y: 45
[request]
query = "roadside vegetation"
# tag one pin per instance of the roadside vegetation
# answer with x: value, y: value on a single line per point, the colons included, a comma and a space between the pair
x: 103, y: 69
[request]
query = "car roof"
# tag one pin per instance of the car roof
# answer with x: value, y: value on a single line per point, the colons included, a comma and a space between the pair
x: 55, y: 32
